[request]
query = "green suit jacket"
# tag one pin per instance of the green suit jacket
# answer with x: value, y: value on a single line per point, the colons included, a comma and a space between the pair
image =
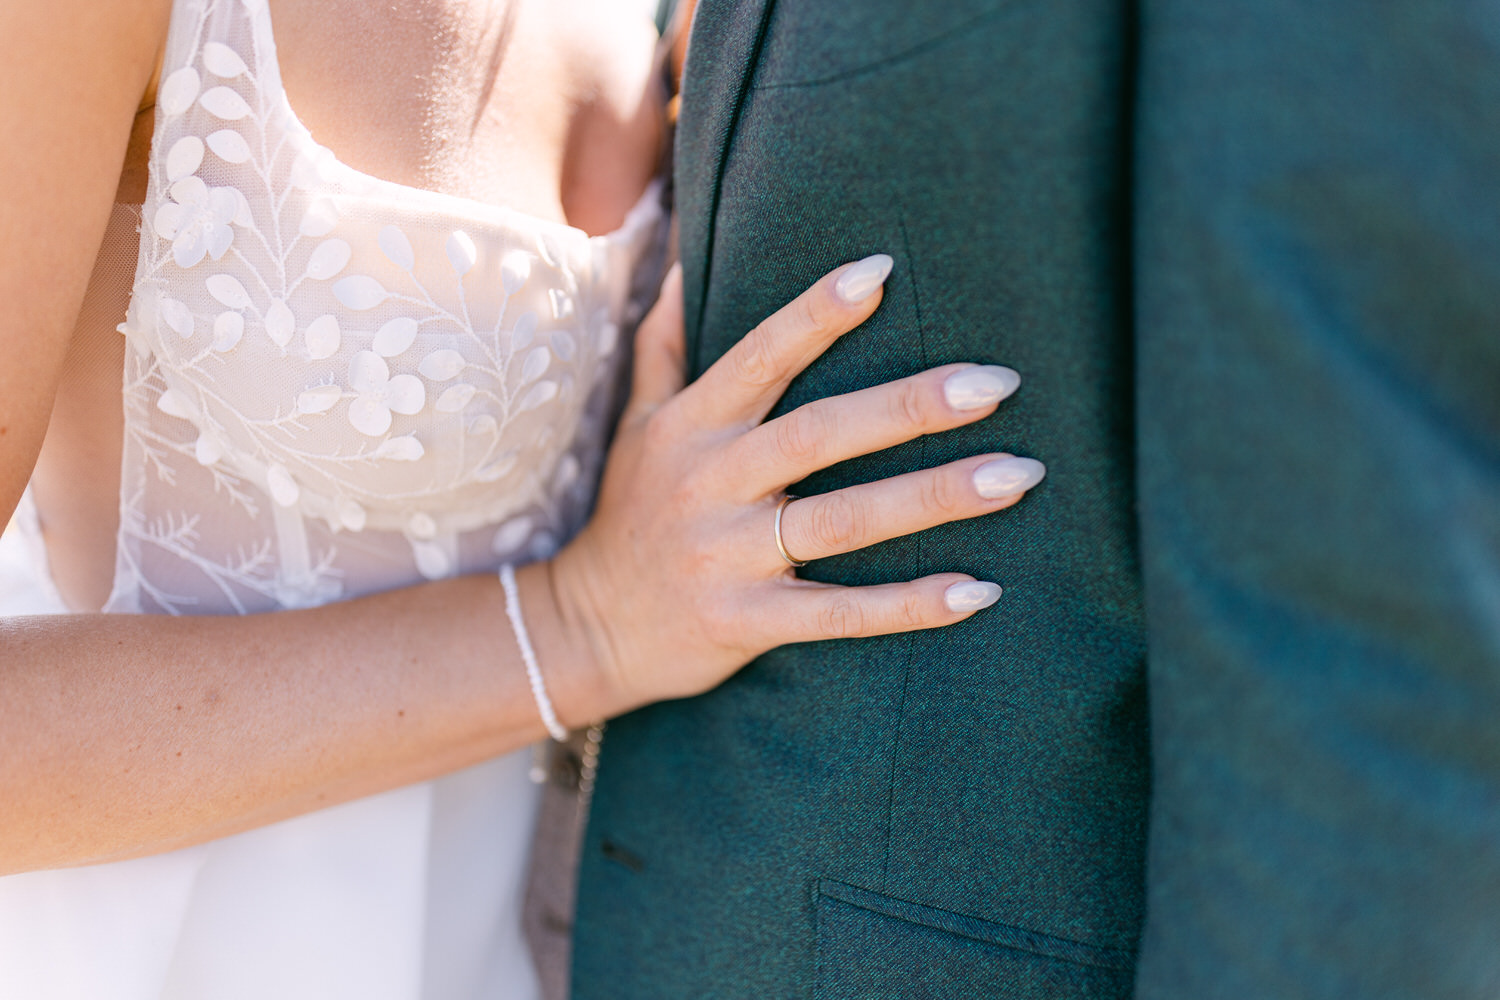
x: 956, y: 813
x: 1266, y: 231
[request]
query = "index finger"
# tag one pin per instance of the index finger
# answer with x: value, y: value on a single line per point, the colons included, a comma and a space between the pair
x: 743, y: 385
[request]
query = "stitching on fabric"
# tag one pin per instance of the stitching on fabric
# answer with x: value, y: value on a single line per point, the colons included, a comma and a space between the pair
x: 910, y: 643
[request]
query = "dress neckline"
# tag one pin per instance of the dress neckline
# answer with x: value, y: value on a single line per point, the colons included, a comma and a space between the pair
x: 328, y: 162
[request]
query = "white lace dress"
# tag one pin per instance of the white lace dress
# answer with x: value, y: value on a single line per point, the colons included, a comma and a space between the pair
x: 334, y: 385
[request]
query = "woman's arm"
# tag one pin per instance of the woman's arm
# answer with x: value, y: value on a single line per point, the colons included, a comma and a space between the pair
x: 72, y: 73
x: 123, y: 735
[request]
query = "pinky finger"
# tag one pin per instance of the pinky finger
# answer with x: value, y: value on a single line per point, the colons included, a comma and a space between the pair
x: 822, y: 611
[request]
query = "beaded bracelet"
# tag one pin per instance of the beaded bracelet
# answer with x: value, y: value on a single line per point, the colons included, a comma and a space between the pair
x: 528, y: 655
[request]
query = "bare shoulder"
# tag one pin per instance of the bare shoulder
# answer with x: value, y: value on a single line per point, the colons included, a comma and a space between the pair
x: 74, y: 72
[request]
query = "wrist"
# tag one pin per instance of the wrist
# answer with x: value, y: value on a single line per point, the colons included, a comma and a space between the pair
x: 570, y: 644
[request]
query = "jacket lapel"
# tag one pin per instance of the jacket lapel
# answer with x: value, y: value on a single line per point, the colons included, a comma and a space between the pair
x: 725, y: 45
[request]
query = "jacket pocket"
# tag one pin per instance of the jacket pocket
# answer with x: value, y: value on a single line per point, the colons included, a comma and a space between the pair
x: 871, y: 945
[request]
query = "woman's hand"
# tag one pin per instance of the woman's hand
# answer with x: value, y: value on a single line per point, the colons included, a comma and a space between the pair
x: 677, y: 581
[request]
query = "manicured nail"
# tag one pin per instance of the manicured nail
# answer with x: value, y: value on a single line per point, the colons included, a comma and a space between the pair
x: 863, y: 277
x: 1007, y: 476
x: 972, y: 596
x: 979, y: 386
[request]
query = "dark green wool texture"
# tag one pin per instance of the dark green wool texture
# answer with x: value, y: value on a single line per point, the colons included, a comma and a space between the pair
x: 1245, y: 255
x: 942, y: 809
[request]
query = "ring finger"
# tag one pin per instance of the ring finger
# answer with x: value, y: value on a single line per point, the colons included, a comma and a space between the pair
x: 845, y: 520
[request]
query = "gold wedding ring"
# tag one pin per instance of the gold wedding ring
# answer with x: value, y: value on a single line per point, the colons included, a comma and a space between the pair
x: 780, y: 545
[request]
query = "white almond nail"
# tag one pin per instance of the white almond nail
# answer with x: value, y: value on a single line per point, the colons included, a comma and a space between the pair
x: 1007, y: 476
x: 979, y: 386
x: 863, y: 277
x: 972, y: 596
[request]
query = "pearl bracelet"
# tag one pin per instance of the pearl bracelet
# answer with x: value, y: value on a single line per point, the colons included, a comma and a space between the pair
x: 528, y: 655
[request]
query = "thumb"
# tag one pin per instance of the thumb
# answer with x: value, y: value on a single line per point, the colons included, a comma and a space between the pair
x: 660, y: 361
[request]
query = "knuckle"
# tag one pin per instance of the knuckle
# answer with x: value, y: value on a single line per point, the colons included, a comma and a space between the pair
x: 908, y: 405
x: 911, y: 612
x: 800, y: 435
x: 659, y: 430
x: 719, y: 620
x: 691, y: 491
x: 755, y: 363
x: 943, y: 493
x: 807, y: 313
x: 837, y: 523
x: 842, y: 618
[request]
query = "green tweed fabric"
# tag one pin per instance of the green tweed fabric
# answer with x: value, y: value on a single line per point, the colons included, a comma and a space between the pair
x: 1318, y: 274
x: 958, y: 813
x: 1269, y: 232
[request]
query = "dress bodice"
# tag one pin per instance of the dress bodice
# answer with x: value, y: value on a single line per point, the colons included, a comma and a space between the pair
x: 336, y: 383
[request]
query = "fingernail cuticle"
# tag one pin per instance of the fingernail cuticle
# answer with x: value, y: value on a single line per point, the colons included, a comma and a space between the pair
x: 974, y: 595
x: 1007, y: 476
x: 862, y: 278
x: 979, y: 386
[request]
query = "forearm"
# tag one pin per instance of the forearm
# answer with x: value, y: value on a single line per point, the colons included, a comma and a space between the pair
x: 127, y: 735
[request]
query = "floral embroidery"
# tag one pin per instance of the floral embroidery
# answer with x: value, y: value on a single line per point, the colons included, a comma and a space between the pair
x: 319, y: 354
x: 380, y: 394
x: 196, y: 221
